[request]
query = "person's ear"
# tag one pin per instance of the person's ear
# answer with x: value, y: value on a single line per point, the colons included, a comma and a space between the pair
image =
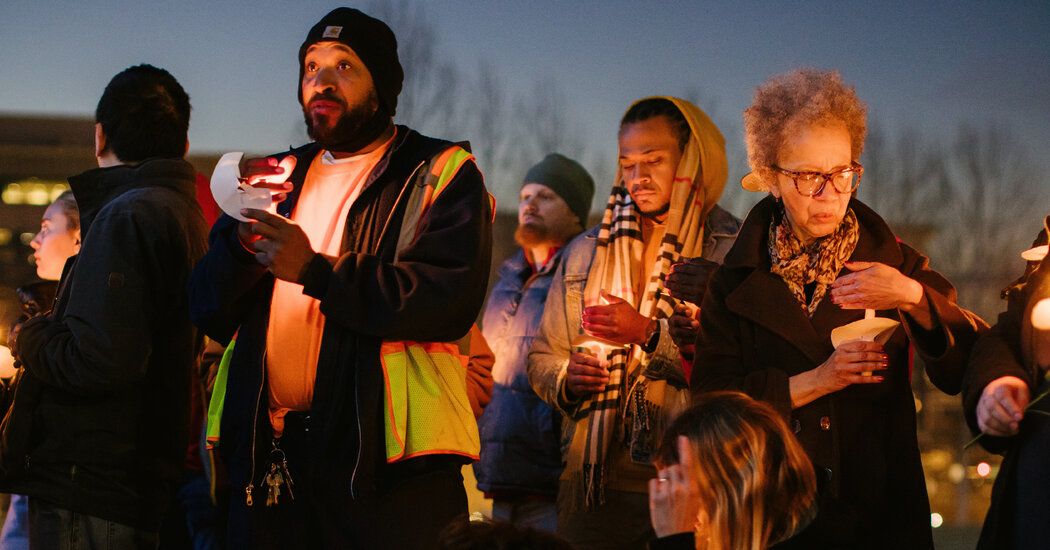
x: 100, y: 140
x: 187, y: 151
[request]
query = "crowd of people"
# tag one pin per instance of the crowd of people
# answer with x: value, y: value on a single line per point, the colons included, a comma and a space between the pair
x: 671, y: 377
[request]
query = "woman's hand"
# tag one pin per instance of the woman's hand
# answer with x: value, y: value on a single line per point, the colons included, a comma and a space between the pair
x: 844, y: 368
x: 875, y: 286
x: 674, y: 497
x: 1001, y: 407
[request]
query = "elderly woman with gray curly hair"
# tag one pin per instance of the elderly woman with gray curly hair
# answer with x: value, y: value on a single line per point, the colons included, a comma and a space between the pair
x: 811, y: 258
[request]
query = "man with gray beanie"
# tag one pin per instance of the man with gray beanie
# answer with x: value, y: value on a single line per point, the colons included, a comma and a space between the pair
x: 349, y: 307
x: 520, y: 457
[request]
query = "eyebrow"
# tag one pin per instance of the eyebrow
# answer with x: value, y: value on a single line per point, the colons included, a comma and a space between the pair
x: 835, y: 169
x: 646, y: 152
x: 337, y: 45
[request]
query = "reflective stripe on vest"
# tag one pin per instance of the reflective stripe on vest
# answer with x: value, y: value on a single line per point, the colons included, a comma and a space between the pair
x: 427, y: 410
x: 218, y: 398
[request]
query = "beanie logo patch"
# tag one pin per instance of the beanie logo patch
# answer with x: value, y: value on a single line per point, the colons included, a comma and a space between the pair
x: 332, y: 32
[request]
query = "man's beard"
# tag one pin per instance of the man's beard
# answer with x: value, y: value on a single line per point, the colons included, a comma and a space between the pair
x: 654, y: 214
x: 531, y: 234
x: 346, y: 133
x: 651, y: 214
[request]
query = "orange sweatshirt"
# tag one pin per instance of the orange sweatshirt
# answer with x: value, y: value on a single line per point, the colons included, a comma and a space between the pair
x: 293, y: 340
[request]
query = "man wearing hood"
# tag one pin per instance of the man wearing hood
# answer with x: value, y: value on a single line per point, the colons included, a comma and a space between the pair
x: 382, y: 243
x: 604, y: 355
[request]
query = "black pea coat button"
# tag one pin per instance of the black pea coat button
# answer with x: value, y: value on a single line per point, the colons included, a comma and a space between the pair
x: 825, y: 423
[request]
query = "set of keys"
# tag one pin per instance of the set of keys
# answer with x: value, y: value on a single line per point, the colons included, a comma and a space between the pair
x: 278, y: 476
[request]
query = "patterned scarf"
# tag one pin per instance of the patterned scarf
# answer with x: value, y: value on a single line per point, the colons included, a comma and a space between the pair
x: 819, y: 262
x: 629, y: 408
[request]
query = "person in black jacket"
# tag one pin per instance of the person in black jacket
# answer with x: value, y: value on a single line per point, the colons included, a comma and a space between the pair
x: 1007, y: 371
x: 315, y: 291
x: 98, y: 425
x: 810, y: 257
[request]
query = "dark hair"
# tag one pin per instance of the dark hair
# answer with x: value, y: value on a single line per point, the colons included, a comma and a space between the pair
x: 658, y: 106
x: 68, y: 203
x: 497, y: 535
x: 144, y: 113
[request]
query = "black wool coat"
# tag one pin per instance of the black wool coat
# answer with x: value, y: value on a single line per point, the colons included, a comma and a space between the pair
x: 99, y: 423
x: 754, y: 335
x: 998, y: 353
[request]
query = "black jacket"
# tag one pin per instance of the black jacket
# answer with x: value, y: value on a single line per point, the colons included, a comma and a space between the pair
x: 862, y: 439
x: 998, y: 353
x: 431, y: 292
x: 99, y: 423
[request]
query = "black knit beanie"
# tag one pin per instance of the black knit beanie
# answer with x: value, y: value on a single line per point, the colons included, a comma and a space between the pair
x: 568, y: 179
x: 372, y: 41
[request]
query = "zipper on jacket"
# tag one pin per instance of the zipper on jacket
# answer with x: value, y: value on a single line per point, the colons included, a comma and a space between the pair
x: 357, y: 381
x: 408, y: 183
x: 357, y: 414
x: 255, y: 431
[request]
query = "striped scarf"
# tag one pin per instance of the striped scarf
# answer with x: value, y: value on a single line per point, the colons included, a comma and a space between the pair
x: 631, y: 409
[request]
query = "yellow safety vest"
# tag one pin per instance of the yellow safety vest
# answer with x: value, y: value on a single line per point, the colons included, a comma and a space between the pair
x: 427, y: 410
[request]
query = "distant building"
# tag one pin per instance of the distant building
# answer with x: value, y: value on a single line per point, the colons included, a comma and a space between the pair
x: 37, y: 154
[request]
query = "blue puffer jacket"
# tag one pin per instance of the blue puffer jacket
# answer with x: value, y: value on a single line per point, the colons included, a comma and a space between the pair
x: 519, y: 432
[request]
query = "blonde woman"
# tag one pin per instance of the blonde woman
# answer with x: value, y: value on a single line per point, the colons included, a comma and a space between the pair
x: 57, y: 241
x: 732, y: 477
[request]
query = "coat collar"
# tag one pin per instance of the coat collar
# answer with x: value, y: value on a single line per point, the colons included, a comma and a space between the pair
x: 516, y: 266
x: 96, y: 188
x: 763, y: 298
x: 407, y: 144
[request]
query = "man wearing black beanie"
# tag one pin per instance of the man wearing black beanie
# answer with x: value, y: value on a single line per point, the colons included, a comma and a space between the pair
x: 345, y: 421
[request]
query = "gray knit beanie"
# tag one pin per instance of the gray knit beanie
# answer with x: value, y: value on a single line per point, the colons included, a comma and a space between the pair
x: 568, y: 179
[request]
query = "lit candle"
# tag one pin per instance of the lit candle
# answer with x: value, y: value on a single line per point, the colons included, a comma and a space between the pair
x: 590, y: 346
x: 868, y: 329
x: 1041, y: 314
x: 7, y: 363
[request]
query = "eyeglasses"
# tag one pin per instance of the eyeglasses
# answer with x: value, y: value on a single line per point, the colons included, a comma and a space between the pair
x: 812, y: 184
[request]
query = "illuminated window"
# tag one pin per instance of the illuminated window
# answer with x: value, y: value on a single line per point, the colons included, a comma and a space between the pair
x: 33, y: 191
x: 13, y: 194
x: 57, y: 190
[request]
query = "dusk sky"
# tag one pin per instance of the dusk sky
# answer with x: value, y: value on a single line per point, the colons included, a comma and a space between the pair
x: 927, y: 66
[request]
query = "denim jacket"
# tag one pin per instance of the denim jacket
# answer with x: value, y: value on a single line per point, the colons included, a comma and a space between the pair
x: 549, y: 357
x: 519, y: 432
